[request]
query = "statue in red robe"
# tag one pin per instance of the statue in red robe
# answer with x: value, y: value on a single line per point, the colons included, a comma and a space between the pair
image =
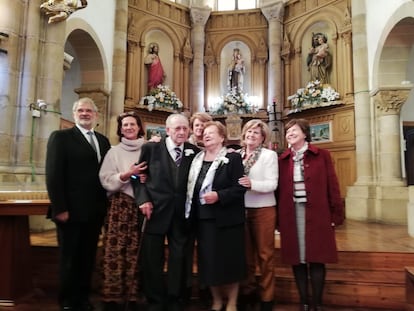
x: 156, y: 73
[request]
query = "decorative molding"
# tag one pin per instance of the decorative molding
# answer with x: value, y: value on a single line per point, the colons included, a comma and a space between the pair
x: 287, y: 49
x: 199, y: 16
x: 389, y: 100
x: 262, y: 54
x: 274, y: 12
x: 187, y: 51
x: 238, y: 21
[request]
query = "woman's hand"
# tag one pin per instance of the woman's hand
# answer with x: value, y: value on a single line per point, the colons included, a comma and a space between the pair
x: 245, y: 182
x: 210, y: 197
x: 135, y: 169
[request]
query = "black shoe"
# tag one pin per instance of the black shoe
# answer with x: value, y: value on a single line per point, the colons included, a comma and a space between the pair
x: 204, y: 297
x: 266, y: 305
x: 247, y: 300
x: 86, y: 306
x: 69, y: 307
x: 112, y: 306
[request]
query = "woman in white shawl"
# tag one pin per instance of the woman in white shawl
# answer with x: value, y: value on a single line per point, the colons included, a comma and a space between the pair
x: 215, y: 204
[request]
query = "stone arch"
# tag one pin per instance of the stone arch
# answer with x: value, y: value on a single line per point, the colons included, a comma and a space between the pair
x: 391, y: 70
x: 86, y: 71
x: 92, y: 56
x: 399, y: 20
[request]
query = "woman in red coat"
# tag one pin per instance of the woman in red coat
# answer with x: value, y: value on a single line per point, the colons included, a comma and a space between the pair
x: 309, y: 207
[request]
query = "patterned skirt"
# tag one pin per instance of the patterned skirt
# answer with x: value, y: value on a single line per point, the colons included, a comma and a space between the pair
x: 120, y: 254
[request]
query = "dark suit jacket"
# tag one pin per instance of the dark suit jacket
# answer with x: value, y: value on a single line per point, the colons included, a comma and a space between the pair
x: 166, y: 190
x: 72, y: 175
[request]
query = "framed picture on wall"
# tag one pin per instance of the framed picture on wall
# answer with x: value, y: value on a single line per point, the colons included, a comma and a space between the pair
x: 152, y: 129
x: 321, y: 132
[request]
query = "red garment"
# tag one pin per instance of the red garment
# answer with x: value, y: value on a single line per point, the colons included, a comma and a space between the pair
x: 155, y: 73
x: 324, y: 206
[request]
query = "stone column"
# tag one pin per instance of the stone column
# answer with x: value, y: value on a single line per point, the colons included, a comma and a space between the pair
x: 345, y: 32
x: 18, y: 87
x: 361, y: 197
x: 388, y: 102
x: 274, y: 15
x: 131, y: 87
x: 118, y: 69
x: 199, y: 17
x: 48, y: 73
x: 187, y: 58
x: 363, y: 117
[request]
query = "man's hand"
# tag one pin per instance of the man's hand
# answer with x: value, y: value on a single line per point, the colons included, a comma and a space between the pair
x: 146, y: 209
x: 62, y: 217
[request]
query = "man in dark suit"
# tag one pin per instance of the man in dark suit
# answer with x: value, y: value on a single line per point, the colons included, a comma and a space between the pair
x: 161, y: 199
x: 78, y: 201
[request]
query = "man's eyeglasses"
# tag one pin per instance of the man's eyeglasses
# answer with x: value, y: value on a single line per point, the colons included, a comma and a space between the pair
x: 180, y: 128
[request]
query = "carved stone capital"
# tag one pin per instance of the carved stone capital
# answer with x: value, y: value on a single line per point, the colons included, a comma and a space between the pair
x: 209, y: 61
x: 274, y: 12
x: 132, y: 46
x: 199, y: 16
x: 347, y: 36
x: 388, y: 100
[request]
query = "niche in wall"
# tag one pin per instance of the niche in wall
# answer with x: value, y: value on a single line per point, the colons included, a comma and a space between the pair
x: 307, y: 40
x: 166, y: 54
x: 226, y: 56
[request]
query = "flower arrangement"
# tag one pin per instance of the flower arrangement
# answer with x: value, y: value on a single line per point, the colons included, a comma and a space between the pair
x: 233, y: 102
x: 161, y: 97
x: 314, y: 94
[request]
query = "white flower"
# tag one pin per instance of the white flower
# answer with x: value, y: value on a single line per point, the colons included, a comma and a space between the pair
x: 161, y: 97
x: 223, y: 160
x: 188, y: 152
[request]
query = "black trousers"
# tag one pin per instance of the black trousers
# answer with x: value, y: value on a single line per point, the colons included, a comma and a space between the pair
x: 163, y: 293
x: 77, y: 254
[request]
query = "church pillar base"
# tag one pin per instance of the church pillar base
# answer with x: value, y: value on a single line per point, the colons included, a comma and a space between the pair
x: 410, y: 211
x: 384, y: 204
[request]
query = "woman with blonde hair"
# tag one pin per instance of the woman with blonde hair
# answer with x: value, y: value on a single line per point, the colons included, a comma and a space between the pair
x: 197, y: 122
x: 260, y: 178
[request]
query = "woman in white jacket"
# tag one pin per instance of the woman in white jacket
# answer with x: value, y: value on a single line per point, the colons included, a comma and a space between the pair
x: 261, y: 179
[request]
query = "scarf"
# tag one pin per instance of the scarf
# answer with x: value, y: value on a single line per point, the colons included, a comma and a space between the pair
x: 131, y: 144
x: 208, y: 180
x: 250, y: 161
